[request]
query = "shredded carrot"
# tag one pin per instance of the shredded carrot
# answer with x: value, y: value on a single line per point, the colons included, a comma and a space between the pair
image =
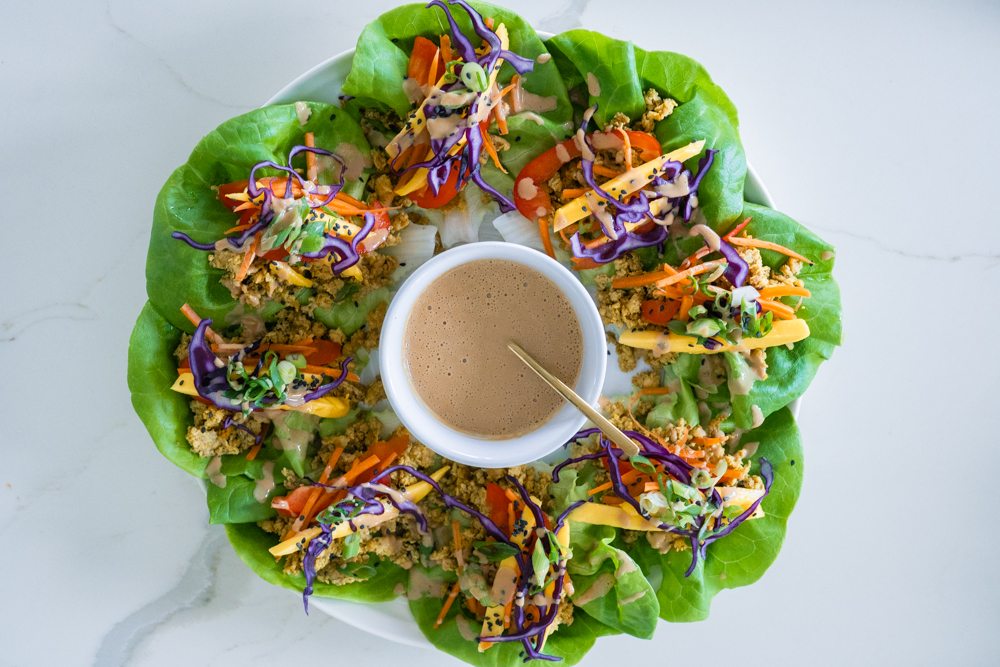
x: 432, y: 76
x: 708, y: 442
x: 447, y: 604
x: 506, y: 614
x: 701, y: 252
x: 248, y: 258
x: 737, y: 229
x: 332, y: 372
x: 311, y: 171
x: 628, y: 147
x: 731, y: 474
x: 784, y: 290
x: 651, y: 486
x: 573, y: 193
x: 195, y: 320
x: 543, y: 227
x: 696, y: 270
x: 239, y: 228
x: 684, y: 314
x: 780, y: 310
x: 642, y: 428
x: 654, y: 391
x: 252, y: 454
x: 767, y: 245
x: 572, y: 229
x: 489, y: 22
x: 491, y: 149
x: 446, y: 50
x: 388, y: 460
x: 353, y: 473
x: 605, y: 171
x: 330, y: 463
x: 306, y: 516
x: 598, y: 489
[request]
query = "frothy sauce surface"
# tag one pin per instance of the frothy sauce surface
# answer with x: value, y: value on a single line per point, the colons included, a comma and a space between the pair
x: 455, y: 347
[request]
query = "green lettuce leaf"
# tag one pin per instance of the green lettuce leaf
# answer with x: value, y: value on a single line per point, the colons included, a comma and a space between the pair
x: 789, y: 372
x: 741, y: 558
x: 252, y: 543
x: 152, y: 369
x: 629, y: 604
x: 177, y: 273
x: 350, y: 314
x: 569, y: 642
x: 624, y: 72
x: 235, y: 502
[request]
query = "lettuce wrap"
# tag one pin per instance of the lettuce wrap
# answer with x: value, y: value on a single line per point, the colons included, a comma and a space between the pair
x: 177, y: 273
x: 383, y: 56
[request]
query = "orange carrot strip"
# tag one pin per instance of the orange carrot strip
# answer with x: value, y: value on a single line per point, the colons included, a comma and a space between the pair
x: 248, y: 258
x: 353, y: 473
x: 447, y: 605
x: 305, y: 518
x: 252, y: 454
x: 767, y: 245
x: 195, y: 320
x: 605, y: 171
x: 311, y: 171
x: 701, y: 252
x: 573, y: 193
x: 684, y: 314
x: 598, y: 489
x: 628, y: 147
x: 654, y: 391
x: 446, y: 49
x: 696, y: 270
x: 543, y: 227
x: 238, y: 228
x: 432, y: 76
x: 708, y: 442
x: 737, y: 229
x: 491, y: 149
x: 332, y: 372
x: 780, y: 310
x: 784, y: 290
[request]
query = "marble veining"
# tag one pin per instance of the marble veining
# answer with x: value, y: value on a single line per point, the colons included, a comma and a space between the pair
x: 109, y: 558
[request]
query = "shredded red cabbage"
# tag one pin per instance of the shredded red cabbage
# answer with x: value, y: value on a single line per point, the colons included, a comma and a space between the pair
x: 737, y: 269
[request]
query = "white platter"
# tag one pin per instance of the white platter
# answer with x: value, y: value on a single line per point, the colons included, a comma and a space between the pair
x: 392, y: 620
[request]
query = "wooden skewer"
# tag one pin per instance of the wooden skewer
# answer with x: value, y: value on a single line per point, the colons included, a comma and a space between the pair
x: 609, y: 429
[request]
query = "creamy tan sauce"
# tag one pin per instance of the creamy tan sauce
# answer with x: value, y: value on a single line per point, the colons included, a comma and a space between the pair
x: 543, y: 58
x: 455, y: 347
x: 599, y: 589
x: 632, y: 598
x: 414, y: 91
x: 303, y: 111
x: 467, y: 631
x: 354, y: 161
x: 593, y: 85
x: 526, y: 189
x: 827, y: 254
x: 214, y: 474
x: 265, y: 486
x: 758, y: 416
x: 423, y: 586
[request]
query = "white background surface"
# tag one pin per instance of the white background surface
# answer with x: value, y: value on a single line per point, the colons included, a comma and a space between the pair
x: 872, y: 122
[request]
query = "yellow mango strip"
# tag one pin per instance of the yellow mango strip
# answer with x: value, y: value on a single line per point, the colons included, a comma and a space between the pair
x: 287, y: 274
x: 414, y: 492
x: 782, y: 333
x: 625, y: 517
x: 631, y: 181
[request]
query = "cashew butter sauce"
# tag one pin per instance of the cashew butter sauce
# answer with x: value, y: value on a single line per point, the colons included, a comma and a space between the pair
x: 455, y: 348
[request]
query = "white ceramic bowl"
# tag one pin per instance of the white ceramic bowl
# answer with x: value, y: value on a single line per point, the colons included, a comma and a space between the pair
x: 461, y: 447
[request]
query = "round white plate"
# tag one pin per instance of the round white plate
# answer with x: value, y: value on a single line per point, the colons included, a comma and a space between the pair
x: 392, y: 620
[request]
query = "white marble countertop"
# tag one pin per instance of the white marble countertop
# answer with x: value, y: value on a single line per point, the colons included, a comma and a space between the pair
x: 872, y: 122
